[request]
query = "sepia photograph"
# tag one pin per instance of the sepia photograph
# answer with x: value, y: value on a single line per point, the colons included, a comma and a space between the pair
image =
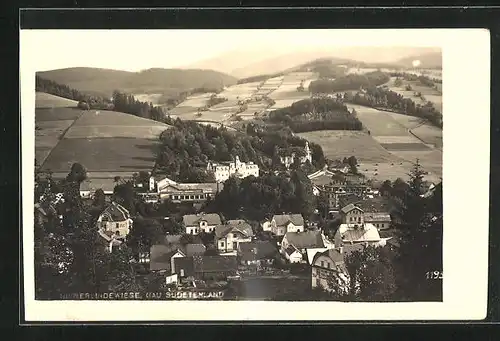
x: 241, y: 166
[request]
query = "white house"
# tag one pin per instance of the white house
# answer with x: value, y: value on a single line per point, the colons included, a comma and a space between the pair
x: 223, y: 171
x: 366, y: 234
x: 280, y: 224
x: 229, y: 236
x: 328, y: 271
x: 301, y: 242
x: 115, y: 220
x: 201, y: 222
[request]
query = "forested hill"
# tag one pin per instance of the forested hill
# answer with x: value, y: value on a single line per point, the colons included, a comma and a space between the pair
x: 103, y: 82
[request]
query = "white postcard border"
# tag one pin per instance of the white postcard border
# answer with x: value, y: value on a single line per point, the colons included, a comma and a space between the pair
x: 466, y: 102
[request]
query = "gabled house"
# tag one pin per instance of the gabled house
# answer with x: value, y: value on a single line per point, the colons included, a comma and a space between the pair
x: 283, y: 223
x: 352, y: 214
x: 260, y: 253
x: 366, y: 234
x: 196, y: 223
x: 161, y: 256
x: 301, y: 242
x: 206, y: 267
x: 328, y: 271
x: 114, y: 223
x: 229, y: 236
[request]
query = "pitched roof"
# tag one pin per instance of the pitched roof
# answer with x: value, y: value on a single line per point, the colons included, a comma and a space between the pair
x: 284, y: 219
x: 333, y: 254
x: 194, y: 249
x: 374, y: 205
x: 349, y: 208
x: 376, y: 217
x: 305, y: 240
x: 204, y: 264
x: 160, y: 256
x: 257, y: 250
x: 194, y: 219
x: 115, y: 212
x: 350, y: 248
x: 311, y: 254
x: 232, y: 226
x: 363, y: 233
x: 347, y: 199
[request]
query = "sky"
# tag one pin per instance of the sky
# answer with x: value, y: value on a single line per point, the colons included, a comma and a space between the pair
x: 135, y: 50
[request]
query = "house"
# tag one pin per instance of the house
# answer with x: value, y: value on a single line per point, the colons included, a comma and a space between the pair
x: 201, y: 222
x: 293, y: 255
x: 222, y: 171
x: 161, y: 256
x: 206, y: 267
x: 356, y: 233
x: 301, y: 242
x: 283, y: 223
x: 114, y: 220
x: 184, y: 192
x: 229, y: 236
x: 371, y: 211
x: 382, y: 221
x: 328, y: 271
x: 260, y: 253
x: 351, y: 214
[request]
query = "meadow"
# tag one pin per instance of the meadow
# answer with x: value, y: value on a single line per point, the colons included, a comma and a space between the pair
x: 103, y: 154
x: 103, y: 141
x: 45, y: 100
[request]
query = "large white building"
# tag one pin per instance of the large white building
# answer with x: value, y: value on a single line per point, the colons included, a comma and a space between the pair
x: 223, y: 171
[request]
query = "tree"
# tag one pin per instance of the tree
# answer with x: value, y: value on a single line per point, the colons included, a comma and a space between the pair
x: 124, y: 194
x: 419, y: 221
x: 371, y: 275
x: 77, y: 174
x: 305, y: 201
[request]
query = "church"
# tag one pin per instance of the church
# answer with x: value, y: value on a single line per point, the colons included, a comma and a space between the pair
x: 288, y: 160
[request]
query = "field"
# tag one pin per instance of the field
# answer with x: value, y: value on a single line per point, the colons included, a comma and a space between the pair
x: 149, y: 98
x: 429, y: 135
x: 430, y: 94
x: 338, y: 144
x: 378, y: 122
x: 102, y: 154
x: 44, y: 100
x: 103, y: 141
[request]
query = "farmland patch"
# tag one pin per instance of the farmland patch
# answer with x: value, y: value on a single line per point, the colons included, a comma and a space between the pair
x: 45, y: 100
x: 405, y: 146
x: 147, y: 132
x: 57, y: 114
x: 104, y: 154
x: 378, y: 122
x: 429, y: 134
x: 339, y: 144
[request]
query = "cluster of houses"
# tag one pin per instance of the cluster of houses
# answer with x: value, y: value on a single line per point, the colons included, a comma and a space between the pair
x: 363, y: 222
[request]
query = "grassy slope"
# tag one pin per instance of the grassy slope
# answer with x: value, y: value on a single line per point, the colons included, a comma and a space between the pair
x: 105, y: 81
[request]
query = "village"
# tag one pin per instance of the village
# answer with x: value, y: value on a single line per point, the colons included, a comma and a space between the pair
x: 214, y: 253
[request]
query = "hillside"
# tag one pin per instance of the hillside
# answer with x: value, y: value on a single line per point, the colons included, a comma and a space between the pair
x: 166, y: 81
x: 432, y: 60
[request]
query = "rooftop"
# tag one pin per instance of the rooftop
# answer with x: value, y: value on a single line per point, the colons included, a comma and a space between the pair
x: 305, y: 240
x: 257, y: 250
x: 195, y: 219
x: 284, y: 219
x: 348, y: 233
x: 115, y: 212
x: 349, y: 208
x: 232, y: 226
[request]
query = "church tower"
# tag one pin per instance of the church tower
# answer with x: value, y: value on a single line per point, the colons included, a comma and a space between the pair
x: 308, y: 152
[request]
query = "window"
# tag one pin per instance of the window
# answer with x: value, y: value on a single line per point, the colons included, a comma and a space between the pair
x: 235, y: 235
x: 117, y: 225
x: 328, y: 265
x: 221, y: 244
x: 359, y: 219
x: 322, y: 264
